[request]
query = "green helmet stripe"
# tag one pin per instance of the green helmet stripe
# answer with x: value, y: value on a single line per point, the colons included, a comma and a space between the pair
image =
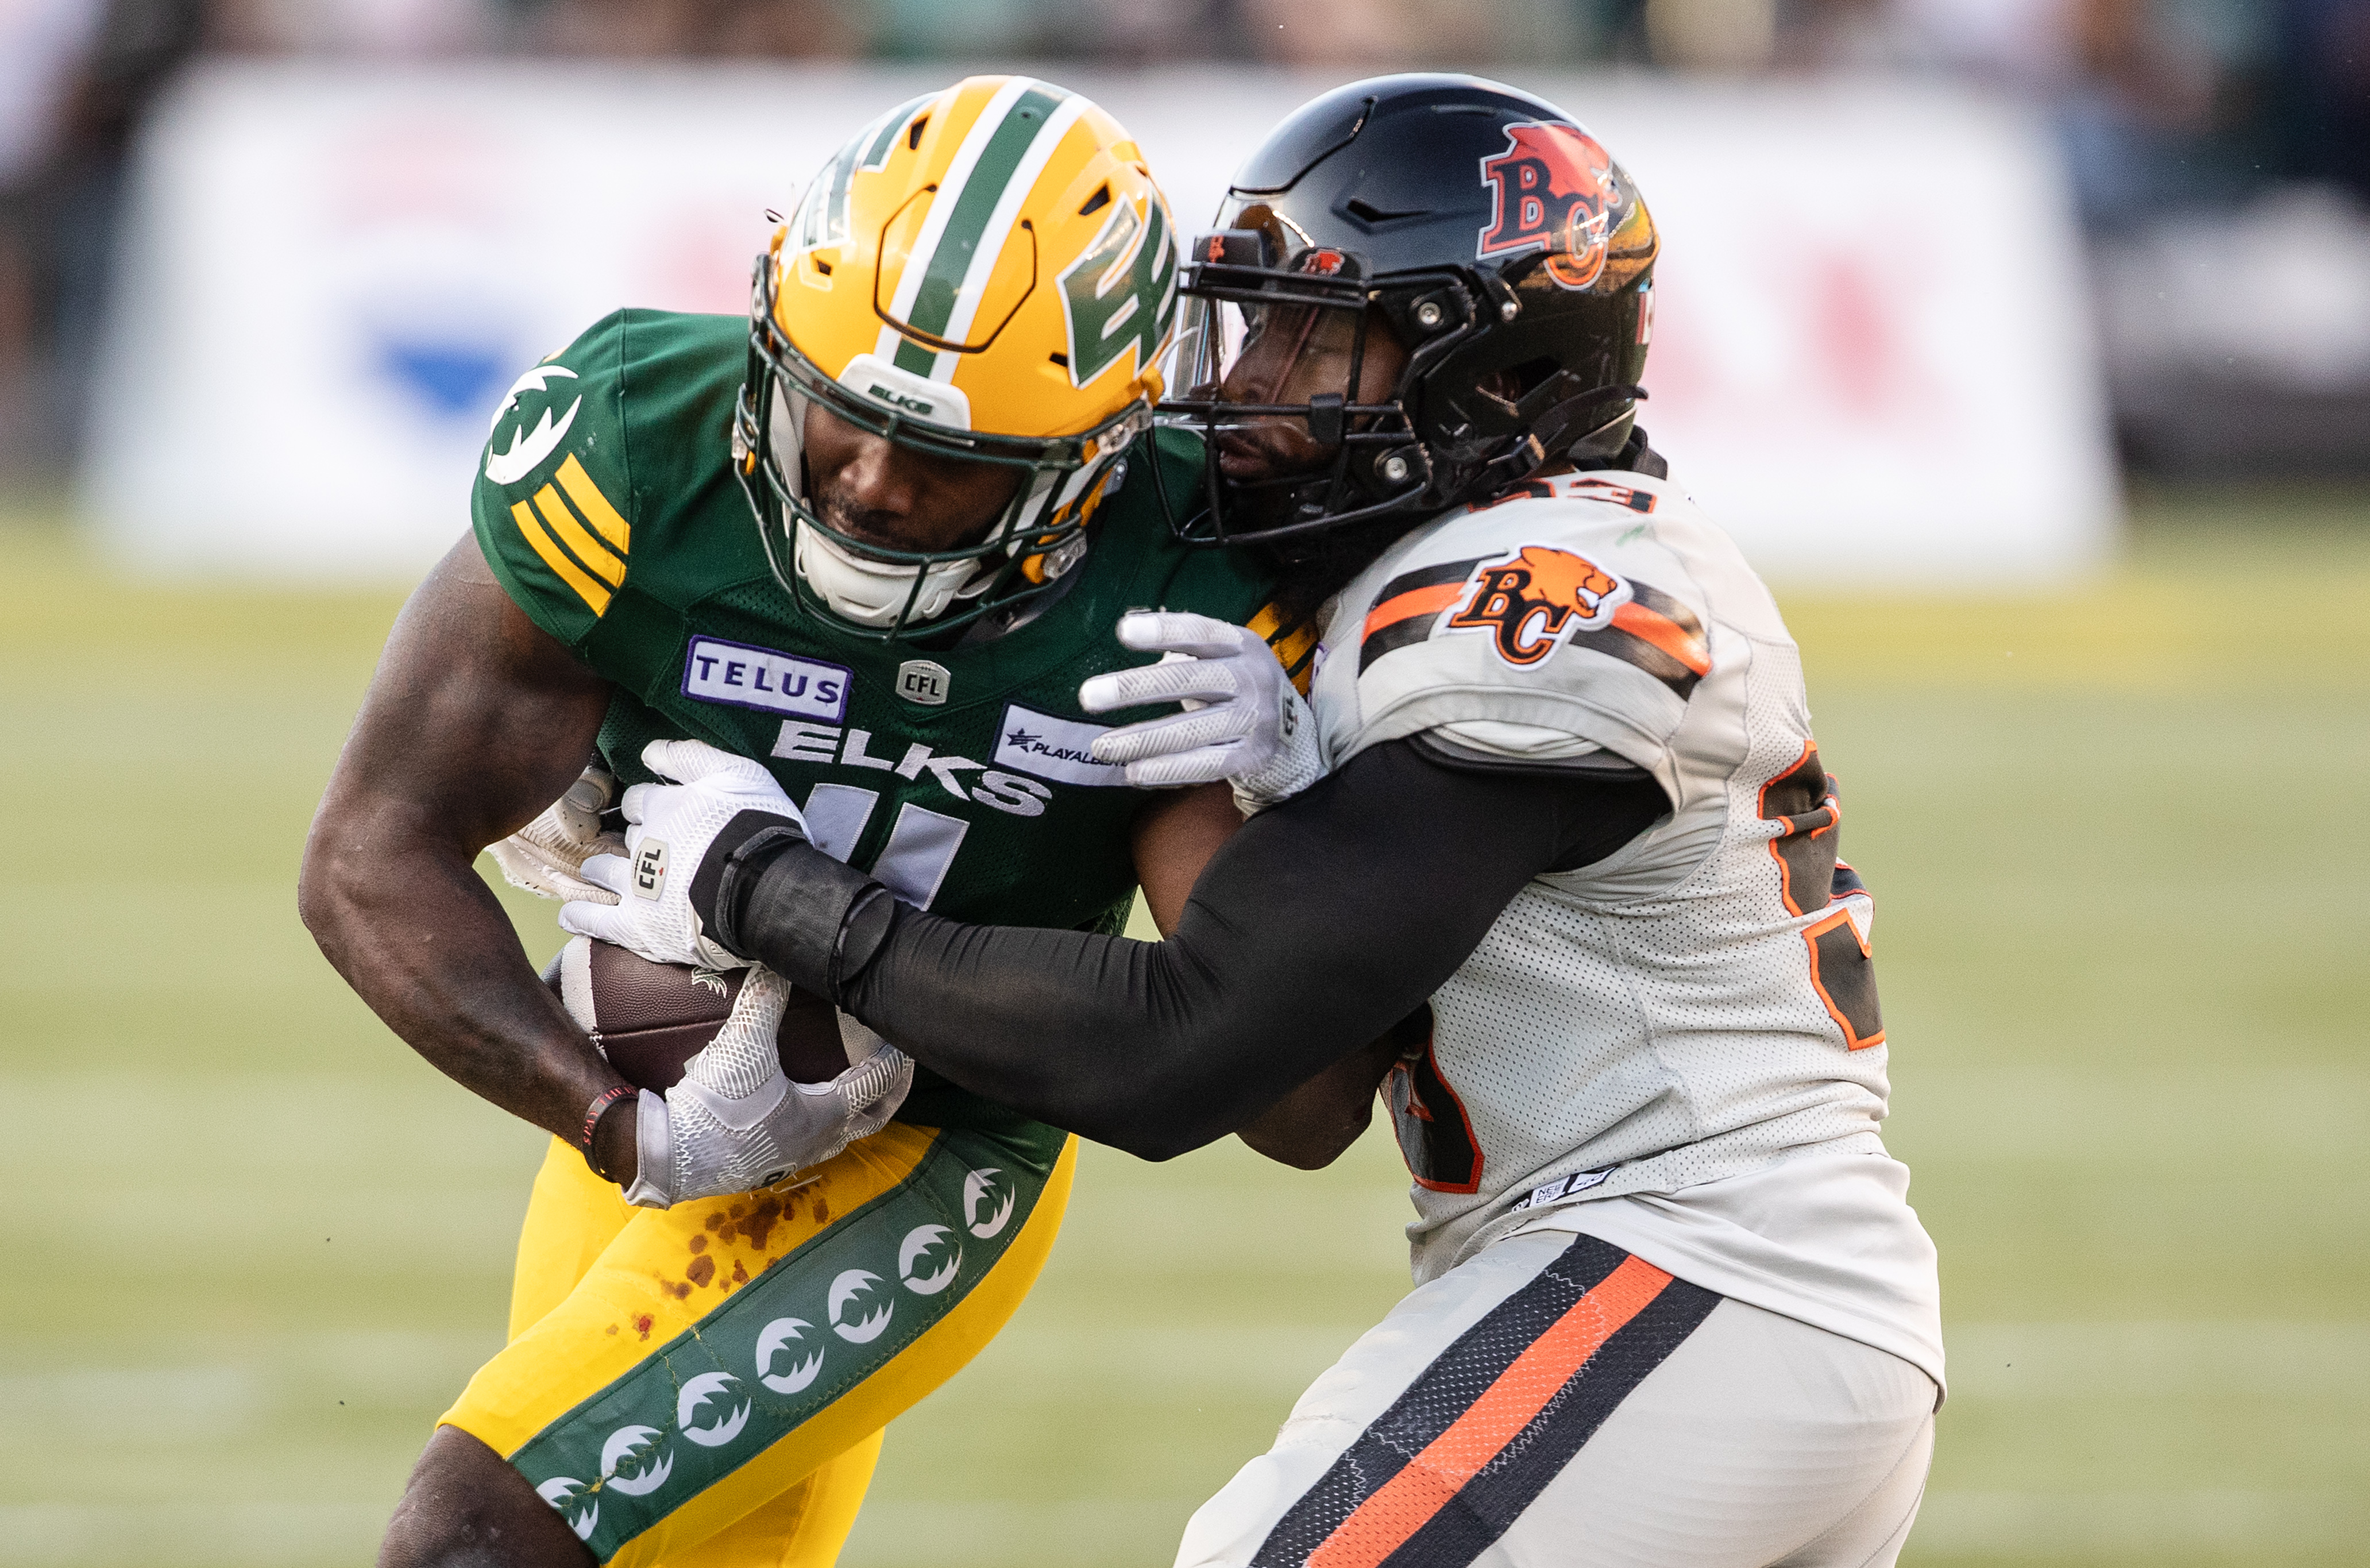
x: 884, y: 136
x: 969, y: 203
x: 972, y: 290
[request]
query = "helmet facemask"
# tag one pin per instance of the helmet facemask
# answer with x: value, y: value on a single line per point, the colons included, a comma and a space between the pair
x: 1252, y: 331
x: 1496, y: 241
x: 880, y: 591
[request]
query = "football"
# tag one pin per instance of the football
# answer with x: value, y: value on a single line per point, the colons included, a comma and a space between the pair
x: 650, y: 1018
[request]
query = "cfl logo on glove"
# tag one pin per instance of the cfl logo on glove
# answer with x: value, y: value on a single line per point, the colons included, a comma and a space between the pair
x: 650, y: 868
x: 1533, y: 600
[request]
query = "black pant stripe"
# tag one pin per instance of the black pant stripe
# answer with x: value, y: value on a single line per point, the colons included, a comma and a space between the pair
x: 1440, y: 1393
x: 1488, y: 1505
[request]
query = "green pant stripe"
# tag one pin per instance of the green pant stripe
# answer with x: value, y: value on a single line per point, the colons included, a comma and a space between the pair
x: 826, y: 1316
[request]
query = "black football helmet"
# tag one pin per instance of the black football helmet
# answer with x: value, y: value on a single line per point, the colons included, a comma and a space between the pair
x: 1509, y: 259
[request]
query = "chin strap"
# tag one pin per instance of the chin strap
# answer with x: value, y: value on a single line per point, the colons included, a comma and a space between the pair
x: 1558, y: 412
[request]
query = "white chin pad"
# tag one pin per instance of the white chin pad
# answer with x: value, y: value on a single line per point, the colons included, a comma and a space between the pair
x: 869, y: 593
x: 872, y: 592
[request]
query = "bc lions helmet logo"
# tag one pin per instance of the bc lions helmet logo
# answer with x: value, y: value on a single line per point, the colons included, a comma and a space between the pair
x: 1528, y: 602
x: 1552, y: 190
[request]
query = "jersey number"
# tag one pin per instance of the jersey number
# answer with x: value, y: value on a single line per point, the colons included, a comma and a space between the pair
x: 921, y: 847
x: 1435, y: 1136
x: 1811, y: 879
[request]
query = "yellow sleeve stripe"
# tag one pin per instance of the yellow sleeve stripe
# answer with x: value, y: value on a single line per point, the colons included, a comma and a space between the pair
x: 606, y: 567
x: 1292, y: 645
x: 591, y: 592
x: 594, y: 505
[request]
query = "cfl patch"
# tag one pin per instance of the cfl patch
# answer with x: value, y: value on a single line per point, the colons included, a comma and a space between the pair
x: 766, y: 679
x: 1059, y: 749
x: 650, y: 868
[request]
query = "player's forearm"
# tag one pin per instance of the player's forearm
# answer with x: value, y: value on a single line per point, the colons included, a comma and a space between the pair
x: 403, y: 915
x: 1115, y: 1040
x: 475, y: 721
x: 1309, y: 1128
x: 1317, y: 928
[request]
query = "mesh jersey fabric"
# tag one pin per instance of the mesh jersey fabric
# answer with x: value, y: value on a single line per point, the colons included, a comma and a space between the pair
x: 605, y: 504
x: 1667, y: 1016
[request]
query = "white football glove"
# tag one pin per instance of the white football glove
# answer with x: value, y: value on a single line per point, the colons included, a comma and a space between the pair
x: 668, y: 828
x: 736, y: 1122
x: 1242, y: 721
x: 546, y: 856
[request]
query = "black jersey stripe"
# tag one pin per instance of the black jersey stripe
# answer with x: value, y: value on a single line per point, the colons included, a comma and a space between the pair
x: 1392, y: 638
x: 1487, y: 1506
x: 1670, y: 609
x: 1616, y: 644
x: 1395, y: 622
x: 1427, y: 577
x: 1439, y: 1395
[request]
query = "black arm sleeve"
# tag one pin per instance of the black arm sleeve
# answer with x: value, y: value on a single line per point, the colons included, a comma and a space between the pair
x: 1321, y: 924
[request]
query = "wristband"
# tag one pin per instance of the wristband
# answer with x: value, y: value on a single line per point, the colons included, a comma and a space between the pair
x: 602, y: 1103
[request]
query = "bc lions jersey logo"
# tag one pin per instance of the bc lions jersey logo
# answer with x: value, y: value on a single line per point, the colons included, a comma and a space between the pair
x: 1529, y: 602
x: 1552, y: 190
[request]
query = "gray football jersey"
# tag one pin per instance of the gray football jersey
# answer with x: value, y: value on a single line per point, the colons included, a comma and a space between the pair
x: 1698, y: 1004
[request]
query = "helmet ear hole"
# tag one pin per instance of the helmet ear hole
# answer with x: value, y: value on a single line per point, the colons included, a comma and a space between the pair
x: 1529, y: 376
x: 1509, y: 385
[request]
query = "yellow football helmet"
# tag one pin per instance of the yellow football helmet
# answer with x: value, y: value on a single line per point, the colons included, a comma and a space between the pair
x: 985, y: 274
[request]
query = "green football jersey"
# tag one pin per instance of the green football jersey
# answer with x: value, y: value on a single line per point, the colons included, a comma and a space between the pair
x: 960, y: 776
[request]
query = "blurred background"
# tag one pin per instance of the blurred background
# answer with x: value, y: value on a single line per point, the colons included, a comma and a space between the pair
x: 2025, y: 344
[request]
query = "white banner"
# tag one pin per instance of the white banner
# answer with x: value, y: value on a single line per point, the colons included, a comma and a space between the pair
x: 1872, y: 360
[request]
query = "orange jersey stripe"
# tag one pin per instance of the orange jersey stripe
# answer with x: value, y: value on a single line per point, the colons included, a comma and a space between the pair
x: 1407, y: 1502
x: 1415, y: 602
x: 1665, y: 633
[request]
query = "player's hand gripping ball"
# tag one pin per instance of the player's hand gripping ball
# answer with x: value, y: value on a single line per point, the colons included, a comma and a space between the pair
x: 668, y: 832
x: 736, y: 1121
x: 1242, y: 719
x: 648, y: 1019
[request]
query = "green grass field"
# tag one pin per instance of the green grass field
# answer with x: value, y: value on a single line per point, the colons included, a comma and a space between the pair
x: 2120, y: 841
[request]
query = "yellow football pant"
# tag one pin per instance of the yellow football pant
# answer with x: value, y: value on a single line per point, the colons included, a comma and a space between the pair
x: 707, y: 1385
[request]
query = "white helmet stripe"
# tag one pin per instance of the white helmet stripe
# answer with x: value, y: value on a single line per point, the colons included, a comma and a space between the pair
x: 942, y: 208
x: 999, y: 226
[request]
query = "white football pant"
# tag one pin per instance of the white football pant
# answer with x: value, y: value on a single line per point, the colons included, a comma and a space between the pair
x: 1555, y: 1403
